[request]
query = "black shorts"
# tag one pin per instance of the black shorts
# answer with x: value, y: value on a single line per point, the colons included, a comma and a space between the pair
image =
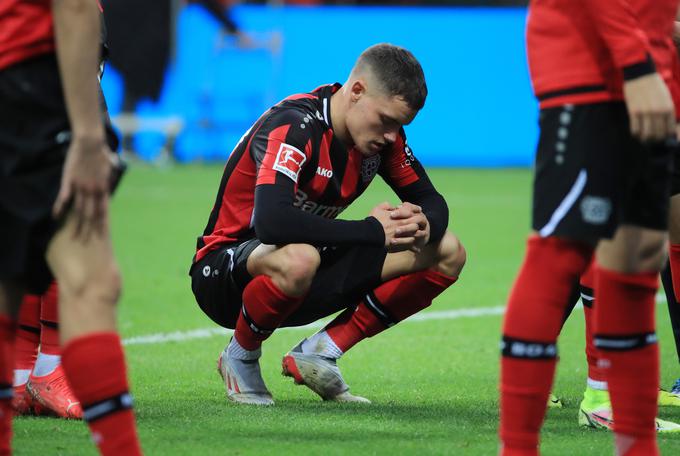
x: 591, y: 175
x: 344, y: 276
x: 675, y: 182
x: 34, y: 138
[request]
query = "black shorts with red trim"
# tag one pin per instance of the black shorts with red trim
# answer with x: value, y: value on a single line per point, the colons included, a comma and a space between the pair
x: 34, y: 139
x: 344, y: 276
x: 591, y: 175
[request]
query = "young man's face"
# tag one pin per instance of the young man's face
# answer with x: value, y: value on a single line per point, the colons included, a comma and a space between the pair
x: 374, y: 119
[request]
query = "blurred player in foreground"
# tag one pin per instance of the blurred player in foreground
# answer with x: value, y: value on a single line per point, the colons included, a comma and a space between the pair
x: 274, y: 254
x: 602, y: 186
x: 54, y: 187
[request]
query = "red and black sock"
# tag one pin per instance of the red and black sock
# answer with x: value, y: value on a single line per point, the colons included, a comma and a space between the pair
x: 596, y: 375
x: 626, y: 339
x: 49, y: 322
x: 265, y: 307
x: 390, y: 303
x: 674, y: 259
x: 533, y: 319
x: 95, y: 369
x: 28, y: 333
x: 7, y: 336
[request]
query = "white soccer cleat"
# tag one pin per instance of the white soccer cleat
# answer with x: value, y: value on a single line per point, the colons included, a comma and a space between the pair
x: 243, y: 380
x: 320, y: 374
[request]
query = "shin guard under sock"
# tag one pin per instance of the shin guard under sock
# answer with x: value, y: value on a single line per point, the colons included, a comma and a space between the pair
x: 28, y: 333
x: 626, y: 339
x: 390, y: 303
x: 49, y: 322
x: 533, y: 319
x: 596, y: 375
x: 95, y: 368
x: 264, y: 308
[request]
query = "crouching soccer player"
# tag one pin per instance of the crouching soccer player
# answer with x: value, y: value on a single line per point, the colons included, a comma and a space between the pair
x: 273, y: 253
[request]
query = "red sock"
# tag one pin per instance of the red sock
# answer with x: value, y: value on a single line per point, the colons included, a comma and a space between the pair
x: 265, y: 307
x: 390, y: 303
x: 625, y: 337
x: 596, y: 375
x: 674, y: 259
x: 49, y: 322
x: 28, y: 333
x: 95, y: 369
x: 533, y: 320
x: 7, y: 336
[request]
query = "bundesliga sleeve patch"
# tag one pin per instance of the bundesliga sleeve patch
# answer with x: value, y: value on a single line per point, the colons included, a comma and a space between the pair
x: 289, y: 161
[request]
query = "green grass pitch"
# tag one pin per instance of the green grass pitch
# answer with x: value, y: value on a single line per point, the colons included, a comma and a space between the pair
x: 433, y: 383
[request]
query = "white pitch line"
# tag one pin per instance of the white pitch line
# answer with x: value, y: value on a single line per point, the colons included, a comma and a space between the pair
x: 205, y: 333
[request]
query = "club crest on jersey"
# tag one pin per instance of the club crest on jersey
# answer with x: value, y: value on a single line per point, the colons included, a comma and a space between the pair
x: 289, y: 161
x: 369, y: 168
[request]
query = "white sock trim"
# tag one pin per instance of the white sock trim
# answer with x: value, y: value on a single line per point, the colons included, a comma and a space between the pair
x: 235, y: 351
x: 21, y: 376
x: 45, y: 364
x: 597, y: 384
x: 321, y: 344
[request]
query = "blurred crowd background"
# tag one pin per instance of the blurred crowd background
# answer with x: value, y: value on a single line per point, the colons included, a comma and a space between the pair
x: 186, y: 78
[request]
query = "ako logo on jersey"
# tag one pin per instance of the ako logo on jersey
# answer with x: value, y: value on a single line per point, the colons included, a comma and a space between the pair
x: 289, y: 161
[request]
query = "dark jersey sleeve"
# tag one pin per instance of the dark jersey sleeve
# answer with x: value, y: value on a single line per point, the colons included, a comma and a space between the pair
x: 407, y: 177
x: 281, y: 149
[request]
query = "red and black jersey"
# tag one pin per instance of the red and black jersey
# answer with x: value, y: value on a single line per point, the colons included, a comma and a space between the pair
x: 25, y: 30
x: 581, y: 51
x: 290, y: 177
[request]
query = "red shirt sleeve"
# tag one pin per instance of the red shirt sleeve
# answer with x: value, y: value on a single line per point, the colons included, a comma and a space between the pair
x: 281, y: 148
x: 616, y: 23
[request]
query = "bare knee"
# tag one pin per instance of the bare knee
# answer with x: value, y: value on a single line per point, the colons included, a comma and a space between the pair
x: 451, y: 255
x: 652, y: 256
x: 297, y: 266
x: 92, y: 287
x: 633, y: 250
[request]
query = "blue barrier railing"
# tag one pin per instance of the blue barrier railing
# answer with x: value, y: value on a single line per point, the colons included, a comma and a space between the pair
x: 480, y: 110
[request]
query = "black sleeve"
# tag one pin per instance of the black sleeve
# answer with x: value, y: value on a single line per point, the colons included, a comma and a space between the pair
x: 220, y: 13
x: 407, y: 177
x: 277, y: 221
x: 423, y: 193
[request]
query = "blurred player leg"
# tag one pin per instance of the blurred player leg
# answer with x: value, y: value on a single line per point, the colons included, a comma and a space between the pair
x: 671, y: 274
x: 674, y: 314
x: 595, y: 409
x: 626, y: 281
x: 313, y: 361
x: 47, y: 384
x: 10, y: 299
x: 93, y: 358
x: 533, y: 319
x: 27, y: 342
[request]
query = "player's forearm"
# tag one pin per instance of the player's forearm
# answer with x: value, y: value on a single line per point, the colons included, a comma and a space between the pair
x: 77, y: 31
x: 277, y: 221
x: 433, y: 204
